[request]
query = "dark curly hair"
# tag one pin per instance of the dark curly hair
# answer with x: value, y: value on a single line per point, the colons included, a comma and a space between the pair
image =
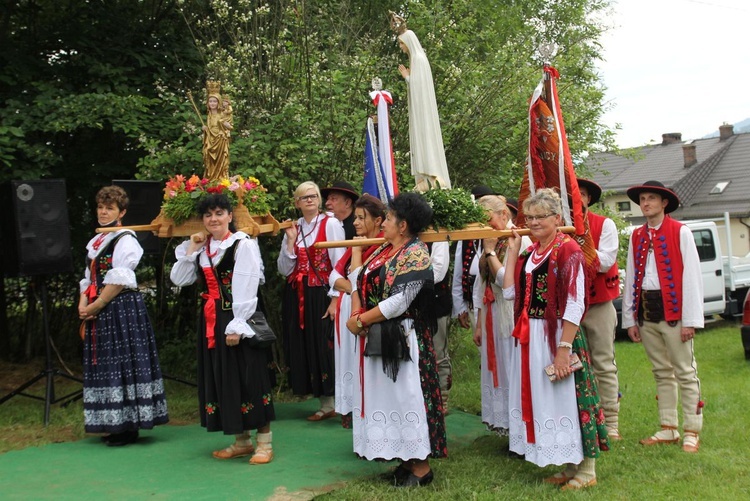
x: 113, y: 195
x: 413, y: 209
x: 372, y: 205
x: 215, y: 201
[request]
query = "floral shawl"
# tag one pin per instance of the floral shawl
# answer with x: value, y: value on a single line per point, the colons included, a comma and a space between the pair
x: 408, y: 272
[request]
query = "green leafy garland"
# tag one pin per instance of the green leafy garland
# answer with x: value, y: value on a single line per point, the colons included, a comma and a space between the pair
x: 454, y: 209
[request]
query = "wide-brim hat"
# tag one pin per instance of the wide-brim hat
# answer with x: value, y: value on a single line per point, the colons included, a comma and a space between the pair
x: 481, y: 190
x: 593, y: 189
x: 634, y: 194
x: 343, y: 187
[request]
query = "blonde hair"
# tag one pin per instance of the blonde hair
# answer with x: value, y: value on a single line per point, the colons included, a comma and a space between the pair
x: 547, y: 199
x: 304, y: 188
x: 495, y: 204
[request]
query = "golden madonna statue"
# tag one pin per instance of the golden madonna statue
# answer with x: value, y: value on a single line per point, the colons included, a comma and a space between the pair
x: 216, y: 133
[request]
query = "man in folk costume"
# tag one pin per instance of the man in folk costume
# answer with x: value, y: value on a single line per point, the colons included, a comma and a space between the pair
x: 600, y: 320
x: 662, y: 306
x: 339, y: 200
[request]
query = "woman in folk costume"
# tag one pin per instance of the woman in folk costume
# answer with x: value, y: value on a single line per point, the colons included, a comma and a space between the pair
x: 397, y: 410
x: 558, y: 422
x: 123, y: 389
x: 234, y: 389
x: 495, y: 319
x: 216, y: 135
x: 369, y: 214
x: 426, y: 149
x: 309, y: 308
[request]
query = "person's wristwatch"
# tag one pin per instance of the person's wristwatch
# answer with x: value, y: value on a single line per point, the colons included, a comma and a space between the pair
x: 490, y: 253
x: 360, y: 324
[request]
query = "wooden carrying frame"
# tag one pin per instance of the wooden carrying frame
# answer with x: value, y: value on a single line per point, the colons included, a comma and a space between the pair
x: 470, y: 233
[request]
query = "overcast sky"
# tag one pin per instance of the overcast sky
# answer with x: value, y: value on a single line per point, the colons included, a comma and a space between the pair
x: 676, y: 66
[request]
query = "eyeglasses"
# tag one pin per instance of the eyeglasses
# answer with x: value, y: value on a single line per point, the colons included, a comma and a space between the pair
x: 307, y: 198
x: 538, y: 218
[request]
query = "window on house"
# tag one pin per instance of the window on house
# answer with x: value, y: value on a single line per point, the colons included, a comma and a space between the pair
x: 719, y: 188
x: 623, y: 206
x: 704, y: 242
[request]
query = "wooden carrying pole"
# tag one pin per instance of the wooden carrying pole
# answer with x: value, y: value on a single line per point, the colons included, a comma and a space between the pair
x: 440, y: 236
x: 141, y: 227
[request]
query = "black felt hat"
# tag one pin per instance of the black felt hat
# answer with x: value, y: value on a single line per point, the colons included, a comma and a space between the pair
x: 481, y: 190
x: 512, y: 204
x: 593, y: 189
x: 634, y: 194
x: 343, y: 187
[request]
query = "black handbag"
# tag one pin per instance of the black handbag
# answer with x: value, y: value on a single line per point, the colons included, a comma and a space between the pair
x: 264, y: 335
x: 374, y: 344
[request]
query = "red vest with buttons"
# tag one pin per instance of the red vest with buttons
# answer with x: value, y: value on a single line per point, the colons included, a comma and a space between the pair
x: 606, y: 286
x: 668, y: 258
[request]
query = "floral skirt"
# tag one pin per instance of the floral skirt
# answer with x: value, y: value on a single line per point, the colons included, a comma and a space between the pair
x: 591, y: 413
x: 123, y: 389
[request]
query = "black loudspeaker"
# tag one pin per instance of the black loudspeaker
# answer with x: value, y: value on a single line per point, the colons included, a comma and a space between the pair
x: 145, y: 204
x: 35, y: 227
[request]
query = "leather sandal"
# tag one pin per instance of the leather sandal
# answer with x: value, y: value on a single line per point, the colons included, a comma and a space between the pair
x: 262, y: 456
x: 234, y: 451
x: 575, y: 484
x: 691, y: 442
x: 558, y: 479
x: 614, y: 434
x: 655, y: 440
x: 320, y: 415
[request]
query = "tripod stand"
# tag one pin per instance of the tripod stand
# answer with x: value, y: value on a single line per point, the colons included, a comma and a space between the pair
x: 48, y: 373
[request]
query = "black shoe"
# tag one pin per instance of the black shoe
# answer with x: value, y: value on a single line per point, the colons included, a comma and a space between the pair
x: 515, y: 455
x: 397, y: 475
x: 105, y: 438
x: 124, y: 438
x: 413, y: 480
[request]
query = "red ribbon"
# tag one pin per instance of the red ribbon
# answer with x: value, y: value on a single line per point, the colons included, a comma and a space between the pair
x: 489, y: 298
x: 209, y: 307
x: 521, y: 333
x: 383, y: 95
x: 92, y: 295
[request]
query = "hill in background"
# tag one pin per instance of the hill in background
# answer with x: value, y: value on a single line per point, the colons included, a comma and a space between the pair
x: 739, y: 127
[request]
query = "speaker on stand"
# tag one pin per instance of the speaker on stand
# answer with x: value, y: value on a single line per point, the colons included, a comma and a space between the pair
x: 36, y: 231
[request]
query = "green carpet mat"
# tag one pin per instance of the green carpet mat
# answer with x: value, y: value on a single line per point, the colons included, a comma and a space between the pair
x: 175, y: 462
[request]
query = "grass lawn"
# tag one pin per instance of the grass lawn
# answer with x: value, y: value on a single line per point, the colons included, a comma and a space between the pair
x: 480, y: 470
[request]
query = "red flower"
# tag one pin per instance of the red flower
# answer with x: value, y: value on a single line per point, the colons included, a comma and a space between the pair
x: 585, y: 417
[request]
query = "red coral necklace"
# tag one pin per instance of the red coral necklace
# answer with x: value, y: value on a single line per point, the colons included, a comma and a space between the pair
x: 208, y: 245
x: 537, y: 257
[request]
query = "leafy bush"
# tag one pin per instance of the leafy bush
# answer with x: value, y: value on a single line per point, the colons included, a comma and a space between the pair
x: 454, y: 209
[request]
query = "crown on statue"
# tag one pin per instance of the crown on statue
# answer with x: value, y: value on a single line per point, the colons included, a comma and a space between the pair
x: 213, y: 88
x: 398, y: 23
